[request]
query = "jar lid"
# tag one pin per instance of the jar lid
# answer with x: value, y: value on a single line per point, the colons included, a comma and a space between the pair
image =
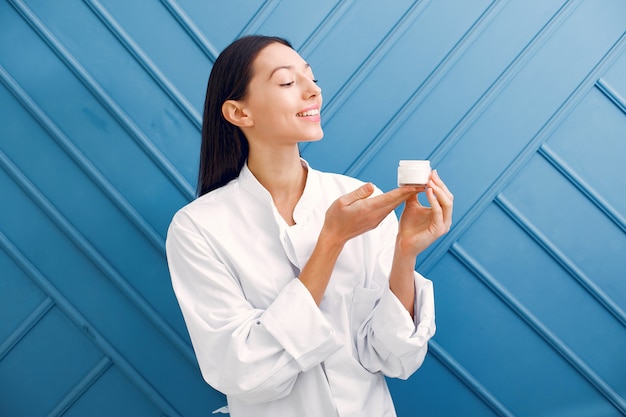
x: 415, y: 163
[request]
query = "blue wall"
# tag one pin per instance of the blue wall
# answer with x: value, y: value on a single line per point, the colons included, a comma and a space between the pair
x: 521, y: 105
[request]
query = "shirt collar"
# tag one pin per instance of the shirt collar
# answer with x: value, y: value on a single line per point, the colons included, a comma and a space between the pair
x: 308, y: 196
x: 249, y: 182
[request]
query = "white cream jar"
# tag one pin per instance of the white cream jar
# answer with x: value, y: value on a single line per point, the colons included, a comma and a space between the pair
x: 413, y: 173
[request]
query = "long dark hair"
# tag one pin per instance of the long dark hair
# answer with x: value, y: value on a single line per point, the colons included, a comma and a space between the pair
x: 224, y: 147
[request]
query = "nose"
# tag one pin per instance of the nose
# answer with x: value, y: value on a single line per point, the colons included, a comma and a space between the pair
x: 312, y: 89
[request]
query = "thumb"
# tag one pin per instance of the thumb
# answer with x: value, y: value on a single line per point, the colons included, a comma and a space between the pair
x: 360, y: 193
x: 412, y: 201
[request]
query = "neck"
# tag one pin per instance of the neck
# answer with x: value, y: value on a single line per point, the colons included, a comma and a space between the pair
x: 280, y: 171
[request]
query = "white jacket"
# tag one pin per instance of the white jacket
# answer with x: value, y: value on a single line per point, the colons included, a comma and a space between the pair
x: 258, y: 334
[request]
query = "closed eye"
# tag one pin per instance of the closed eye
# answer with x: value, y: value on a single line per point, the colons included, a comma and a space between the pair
x: 289, y: 84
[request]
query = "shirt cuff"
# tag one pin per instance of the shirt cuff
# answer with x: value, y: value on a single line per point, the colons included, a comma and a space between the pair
x: 398, y: 333
x: 296, y: 322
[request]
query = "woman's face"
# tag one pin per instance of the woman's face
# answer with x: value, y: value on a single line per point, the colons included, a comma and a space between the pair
x: 283, y: 100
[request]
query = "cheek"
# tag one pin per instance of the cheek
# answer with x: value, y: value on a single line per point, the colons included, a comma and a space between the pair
x: 270, y: 110
x: 272, y: 121
x: 278, y: 112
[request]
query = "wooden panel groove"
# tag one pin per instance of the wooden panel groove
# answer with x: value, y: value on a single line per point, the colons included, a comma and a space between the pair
x: 538, y: 327
x: 79, y: 321
x: 322, y: 29
x: 22, y: 330
x: 83, y: 386
x: 97, y: 259
x: 82, y: 161
x: 423, y: 89
x: 99, y: 93
x: 585, y: 281
x: 192, y: 30
x: 583, y: 186
x: 611, y: 94
x: 468, y: 379
x: 259, y: 17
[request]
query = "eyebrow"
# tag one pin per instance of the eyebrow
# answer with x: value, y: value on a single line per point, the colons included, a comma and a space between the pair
x: 287, y: 67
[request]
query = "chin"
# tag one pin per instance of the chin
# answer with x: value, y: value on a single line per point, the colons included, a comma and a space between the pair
x: 318, y: 137
x: 312, y: 138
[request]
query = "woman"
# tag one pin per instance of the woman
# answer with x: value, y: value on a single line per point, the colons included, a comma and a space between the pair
x: 297, y: 287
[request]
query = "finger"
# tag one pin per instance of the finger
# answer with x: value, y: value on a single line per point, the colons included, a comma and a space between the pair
x: 392, y: 199
x: 434, y: 203
x: 444, y: 202
x: 360, y: 193
x: 445, y: 196
x: 413, y: 202
x: 444, y: 199
x: 437, y: 179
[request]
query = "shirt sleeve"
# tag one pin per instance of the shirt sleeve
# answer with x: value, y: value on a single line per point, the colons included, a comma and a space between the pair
x: 250, y: 354
x: 388, y: 340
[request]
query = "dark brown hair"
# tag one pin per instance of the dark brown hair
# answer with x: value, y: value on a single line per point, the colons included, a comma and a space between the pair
x: 224, y: 147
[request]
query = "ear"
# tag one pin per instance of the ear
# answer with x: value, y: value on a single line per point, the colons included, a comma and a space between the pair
x: 235, y: 113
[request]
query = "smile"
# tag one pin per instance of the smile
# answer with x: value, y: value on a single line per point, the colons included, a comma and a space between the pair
x: 313, y: 112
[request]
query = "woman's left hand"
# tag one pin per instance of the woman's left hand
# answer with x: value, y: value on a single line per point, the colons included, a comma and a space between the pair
x: 420, y: 226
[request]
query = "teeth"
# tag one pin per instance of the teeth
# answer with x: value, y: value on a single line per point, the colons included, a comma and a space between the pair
x: 313, y: 112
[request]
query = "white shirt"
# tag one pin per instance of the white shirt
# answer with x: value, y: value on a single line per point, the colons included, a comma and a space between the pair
x: 259, y: 336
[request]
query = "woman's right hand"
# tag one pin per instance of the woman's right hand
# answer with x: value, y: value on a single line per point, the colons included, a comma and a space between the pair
x: 349, y: 216
x: 355, y: 213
